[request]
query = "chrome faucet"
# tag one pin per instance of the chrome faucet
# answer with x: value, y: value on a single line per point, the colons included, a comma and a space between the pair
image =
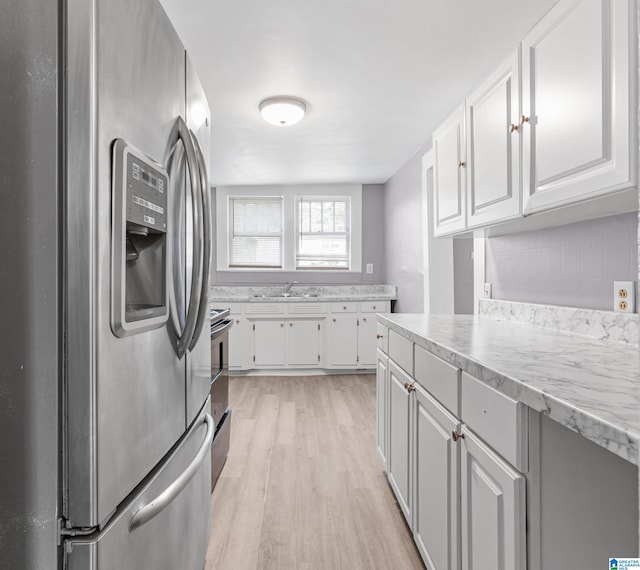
x: 287, y: 287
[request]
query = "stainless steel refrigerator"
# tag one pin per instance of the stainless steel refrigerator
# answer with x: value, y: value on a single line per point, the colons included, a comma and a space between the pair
x: 105, y: 426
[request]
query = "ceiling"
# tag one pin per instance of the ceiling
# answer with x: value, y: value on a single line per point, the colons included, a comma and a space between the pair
x: 378, y: 77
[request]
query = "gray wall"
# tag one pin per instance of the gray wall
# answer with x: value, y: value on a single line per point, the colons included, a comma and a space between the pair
x: 373, y: 222
x: 403, y: 244
x: 29, y: 357
x: 463, y: 276
x: 573, y: 265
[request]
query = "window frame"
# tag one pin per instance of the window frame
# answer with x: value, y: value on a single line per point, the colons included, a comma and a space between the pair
x: 231, y: 230
x: 289, y: 230
x: 348, y: 223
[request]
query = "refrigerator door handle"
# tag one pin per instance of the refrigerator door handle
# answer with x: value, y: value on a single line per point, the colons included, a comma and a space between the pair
x: 180, y: 132
x: 206, y: 250
x: 163, y: 500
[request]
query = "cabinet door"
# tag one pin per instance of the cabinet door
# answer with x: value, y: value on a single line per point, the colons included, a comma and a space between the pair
x: 450, y: 185
x: 268, y: 343
x: 382, y: 397
x: 493, y: 147
x: 342, y: 341
x: 493, y: 509
x: 367, y: 345
x: 239, y: 344
x: 303, y: 343
x: 436, y: 488
x: 578, y: 98
x: 400, y: 438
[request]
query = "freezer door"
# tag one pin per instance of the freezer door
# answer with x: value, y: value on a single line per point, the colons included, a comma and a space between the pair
x: 199, y: 356
x: 124, y: 397
x: 176, y: 537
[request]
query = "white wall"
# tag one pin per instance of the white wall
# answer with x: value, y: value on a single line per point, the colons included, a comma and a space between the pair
x: 403, y: 239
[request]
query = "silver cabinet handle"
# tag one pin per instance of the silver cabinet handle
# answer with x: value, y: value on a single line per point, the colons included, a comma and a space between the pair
x: 162, y: 501
x: 183, y: 338
x: 206, y: 250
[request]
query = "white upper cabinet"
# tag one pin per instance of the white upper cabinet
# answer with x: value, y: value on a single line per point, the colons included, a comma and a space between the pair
x: 493, y: 147
x: 450, y: 183
x: 578, y: 96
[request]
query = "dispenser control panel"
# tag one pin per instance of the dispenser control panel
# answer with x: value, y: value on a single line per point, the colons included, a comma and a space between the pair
x: 146, y: 195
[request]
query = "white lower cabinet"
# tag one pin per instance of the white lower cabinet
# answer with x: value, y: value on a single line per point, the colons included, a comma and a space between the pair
x: 382, y: 397
x: 278, y: 344
x: 240, y: 346
x: 342, y: 341
x: 269, y: 343
x: 400, y: 437
x: 465, y: 504
x: 303, y: 344
x: 321, y: 334
x: 437, y: 484
x: 367, y: 345
x: 493, y: 509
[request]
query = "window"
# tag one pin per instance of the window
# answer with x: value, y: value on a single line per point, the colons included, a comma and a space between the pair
x: 277, y: 228
x: 255, y: 232
x: 323, y: 233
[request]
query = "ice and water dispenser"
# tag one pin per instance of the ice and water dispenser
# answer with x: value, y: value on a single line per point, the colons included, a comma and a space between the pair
x: 139, y: 242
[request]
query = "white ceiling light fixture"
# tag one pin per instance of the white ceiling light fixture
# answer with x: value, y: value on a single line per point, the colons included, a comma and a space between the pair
x: 282, y: 111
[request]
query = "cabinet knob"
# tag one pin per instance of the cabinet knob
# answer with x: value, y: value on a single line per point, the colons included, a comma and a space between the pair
x: 513, y: 127
x: 281, y: 324
x: 334, y: 320
x: 379, y: 336
x: 344, y: 308
x: 364, y: 319
x: 456, y: 435
x: 461, y: 164
x: 237, y: 322
x: 290, y: 324
x: 523, y: 119
x: 374, y: 307
x: 409, y: 386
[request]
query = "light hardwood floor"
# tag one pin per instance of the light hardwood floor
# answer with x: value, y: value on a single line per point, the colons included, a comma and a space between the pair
x: 303, y: 487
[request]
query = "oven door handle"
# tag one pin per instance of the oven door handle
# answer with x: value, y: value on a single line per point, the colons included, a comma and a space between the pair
x: 226, y: 324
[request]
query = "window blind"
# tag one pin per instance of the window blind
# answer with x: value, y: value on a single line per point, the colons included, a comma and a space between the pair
x: 255, y: 232
x: 323, y: 233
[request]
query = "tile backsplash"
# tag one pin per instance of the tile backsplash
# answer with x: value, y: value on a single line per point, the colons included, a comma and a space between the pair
x: 573, y: 265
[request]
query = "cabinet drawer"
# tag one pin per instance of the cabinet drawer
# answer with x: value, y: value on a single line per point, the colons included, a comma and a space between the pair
x: 234, y: 308
x: 383, y: 338
x: 374, y: 307
x: 306, y: 308
x: 438, y: 378
x: 401, y: 350
x: 264, y: 309
x: 496, y: 418
x: 344, y: 307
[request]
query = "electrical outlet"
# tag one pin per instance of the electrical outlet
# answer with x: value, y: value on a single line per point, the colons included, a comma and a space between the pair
x: 624, y: 296
x: 487, y: 290
x: 369, y: 268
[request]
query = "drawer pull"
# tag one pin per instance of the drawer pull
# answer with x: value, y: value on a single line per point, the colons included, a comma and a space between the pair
x: 456, y: 435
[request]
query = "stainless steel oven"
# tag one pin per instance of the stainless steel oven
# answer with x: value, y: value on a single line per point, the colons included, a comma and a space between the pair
x: 220, y: 325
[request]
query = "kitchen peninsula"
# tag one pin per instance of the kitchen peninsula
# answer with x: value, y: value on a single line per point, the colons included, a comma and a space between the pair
x: 529, y: 433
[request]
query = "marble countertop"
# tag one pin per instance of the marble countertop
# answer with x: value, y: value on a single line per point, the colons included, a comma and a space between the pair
x: 302, y: 293
x: 585, y: 384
